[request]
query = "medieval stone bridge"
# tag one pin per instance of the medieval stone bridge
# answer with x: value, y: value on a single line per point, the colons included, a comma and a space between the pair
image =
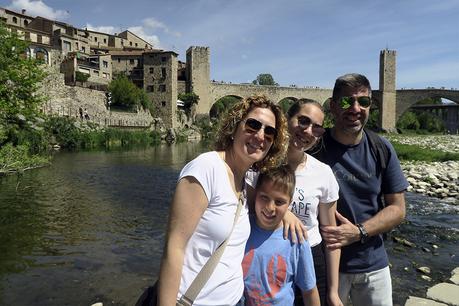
x: 392, y: 103
x: 405, y: 98
x: 274, y: 93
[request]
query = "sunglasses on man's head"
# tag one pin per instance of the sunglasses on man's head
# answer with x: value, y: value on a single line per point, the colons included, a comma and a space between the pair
x: 305, y: 122
x: 252, y: 126
x: 347, y: 102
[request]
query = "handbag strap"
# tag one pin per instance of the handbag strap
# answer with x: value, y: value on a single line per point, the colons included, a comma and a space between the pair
x: 207, y: 270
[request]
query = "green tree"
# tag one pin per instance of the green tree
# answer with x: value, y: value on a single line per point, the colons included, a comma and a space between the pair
x: 285, y: 104
x: 189, y: 99
x: 126, y: 94
x: 408, y: 121
x: 81, y: 76
x: 222, y: 105
x: 264, y: 79
x: 20, y: 77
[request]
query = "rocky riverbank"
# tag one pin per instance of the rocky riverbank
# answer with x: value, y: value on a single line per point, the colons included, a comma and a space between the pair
x: 436, y: 179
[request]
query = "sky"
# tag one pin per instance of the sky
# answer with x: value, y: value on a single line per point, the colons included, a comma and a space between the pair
x: 299, y: 42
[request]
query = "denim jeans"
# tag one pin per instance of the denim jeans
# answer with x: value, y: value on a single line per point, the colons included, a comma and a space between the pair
x: 371, y: 288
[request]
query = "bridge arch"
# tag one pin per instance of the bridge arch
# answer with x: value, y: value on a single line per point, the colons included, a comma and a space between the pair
x: 222, y: 104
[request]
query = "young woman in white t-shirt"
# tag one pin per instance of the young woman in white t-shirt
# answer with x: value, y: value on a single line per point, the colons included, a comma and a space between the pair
x: 316, y: 193
x: 252, y: 134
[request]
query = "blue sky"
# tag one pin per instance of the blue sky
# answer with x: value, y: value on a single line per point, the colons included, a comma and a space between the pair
x: 302, y: 42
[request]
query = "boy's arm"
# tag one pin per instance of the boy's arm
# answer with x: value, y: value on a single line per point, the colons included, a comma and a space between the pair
x: 311, y: 297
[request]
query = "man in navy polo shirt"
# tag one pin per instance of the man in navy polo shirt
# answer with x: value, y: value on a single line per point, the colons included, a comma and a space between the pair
x: 362, y: 217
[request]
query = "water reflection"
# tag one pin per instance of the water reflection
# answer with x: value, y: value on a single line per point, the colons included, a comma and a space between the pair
x: 91, y: 227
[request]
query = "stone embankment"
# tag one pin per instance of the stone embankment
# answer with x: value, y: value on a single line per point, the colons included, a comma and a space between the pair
x: 436, y: 179
x: 442, y: 294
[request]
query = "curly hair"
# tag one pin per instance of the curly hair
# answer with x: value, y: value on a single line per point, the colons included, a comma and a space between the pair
x: 229, y: 124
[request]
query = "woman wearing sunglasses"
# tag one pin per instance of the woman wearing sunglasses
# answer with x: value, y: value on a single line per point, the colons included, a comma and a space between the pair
x: 316, y: 192
x: 253, y: 134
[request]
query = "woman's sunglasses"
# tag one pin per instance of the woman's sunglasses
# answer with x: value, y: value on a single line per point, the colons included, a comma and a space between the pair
x: 305, y: 122
x: 252, y: 126
x: 347, y: 102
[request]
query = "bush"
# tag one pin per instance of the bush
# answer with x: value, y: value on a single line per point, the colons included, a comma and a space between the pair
x: 408, y: 121
x: 17, y: 158
x: 81, y: 76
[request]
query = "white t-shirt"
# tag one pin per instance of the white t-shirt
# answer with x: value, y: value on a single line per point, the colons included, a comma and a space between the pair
x: 225, y: 286
x: 315, y: 183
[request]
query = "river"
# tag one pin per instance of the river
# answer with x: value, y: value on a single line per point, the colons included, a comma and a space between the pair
x: 90, y: 228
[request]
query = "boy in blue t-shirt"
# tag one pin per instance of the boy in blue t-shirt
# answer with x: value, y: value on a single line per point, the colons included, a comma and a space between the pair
x: 272, y: 265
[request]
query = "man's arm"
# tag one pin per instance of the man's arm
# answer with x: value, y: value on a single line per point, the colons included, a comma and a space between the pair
x: 385, y: 220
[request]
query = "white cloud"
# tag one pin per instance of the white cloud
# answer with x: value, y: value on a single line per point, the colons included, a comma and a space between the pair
x: 102, y: 29
x: 153, y: 24
x: 140, y: 31
x: 38, y: 8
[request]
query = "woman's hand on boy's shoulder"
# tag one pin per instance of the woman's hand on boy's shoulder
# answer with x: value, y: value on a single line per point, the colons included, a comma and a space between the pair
x: 293, y: 226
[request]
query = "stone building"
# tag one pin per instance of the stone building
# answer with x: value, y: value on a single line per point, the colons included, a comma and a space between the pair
x: 102, y: 56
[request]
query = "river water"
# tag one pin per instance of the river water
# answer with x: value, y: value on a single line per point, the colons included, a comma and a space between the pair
x: 90, y: 228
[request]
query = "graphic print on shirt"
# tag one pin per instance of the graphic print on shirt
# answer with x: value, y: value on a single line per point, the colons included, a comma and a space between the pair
x: 299, y: 206
x: 276, y: 274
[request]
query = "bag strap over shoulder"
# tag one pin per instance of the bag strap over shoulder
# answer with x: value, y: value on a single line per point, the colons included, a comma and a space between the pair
x: 203, y: 276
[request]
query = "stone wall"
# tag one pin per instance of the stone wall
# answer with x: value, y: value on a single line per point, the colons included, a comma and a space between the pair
x: 66, y: 100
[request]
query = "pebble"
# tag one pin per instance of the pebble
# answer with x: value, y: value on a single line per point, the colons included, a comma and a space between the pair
x: 425, y: 270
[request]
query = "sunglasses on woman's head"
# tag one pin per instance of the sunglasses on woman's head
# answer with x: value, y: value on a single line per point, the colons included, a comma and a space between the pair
x: 305, y: 122
x: 252, y: 126
x: 347, y: 102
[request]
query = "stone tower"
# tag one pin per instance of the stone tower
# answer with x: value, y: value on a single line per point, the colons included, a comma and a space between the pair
x: 160, y: 83
x: 198, y: 76
x: 387, y: 81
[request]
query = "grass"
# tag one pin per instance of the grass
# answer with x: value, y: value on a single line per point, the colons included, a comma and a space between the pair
x: 413, y: 152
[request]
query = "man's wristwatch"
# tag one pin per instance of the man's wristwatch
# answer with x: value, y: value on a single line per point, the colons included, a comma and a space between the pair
x: 363, y: 233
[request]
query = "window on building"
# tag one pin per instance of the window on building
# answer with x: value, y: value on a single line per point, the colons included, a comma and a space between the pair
x: 105, y: 64
x: 130, y: 43
x: 119, y: 60
x: 83, y: 49
x: 15, y: 20
x: 96, y: 72
x: 131, y: 61
x: 162, y: 88
x: 105, y: 40
x: 163, y: 59
x: 136, y: 44
x: 66, y: 46
x: 163, y: 72
x: 150, y: 88
x: 39, y: 39
x: 163, y: 103
x: 151, y: 70
x: 95, y: 39
x: 26, y: 22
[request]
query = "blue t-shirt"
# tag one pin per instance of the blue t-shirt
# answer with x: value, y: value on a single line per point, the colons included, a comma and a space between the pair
x: 361, y: 186
x: 273, y: 265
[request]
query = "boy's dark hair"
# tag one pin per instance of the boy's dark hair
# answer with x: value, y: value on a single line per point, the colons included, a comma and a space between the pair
x: 282, y: 177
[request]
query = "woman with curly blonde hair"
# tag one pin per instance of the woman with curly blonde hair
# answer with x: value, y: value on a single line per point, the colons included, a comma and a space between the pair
x: 252, y: 134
